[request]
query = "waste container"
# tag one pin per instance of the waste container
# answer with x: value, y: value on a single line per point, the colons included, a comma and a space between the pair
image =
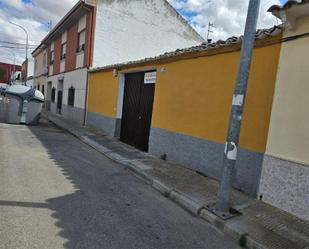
x: 22, y: 105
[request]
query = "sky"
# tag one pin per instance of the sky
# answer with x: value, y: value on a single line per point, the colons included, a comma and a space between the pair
x: 227, y: 16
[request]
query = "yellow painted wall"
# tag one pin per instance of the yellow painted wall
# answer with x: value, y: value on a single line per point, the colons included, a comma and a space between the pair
x: 103, y: 93
x: 194, y: 97
x: 289, y: 127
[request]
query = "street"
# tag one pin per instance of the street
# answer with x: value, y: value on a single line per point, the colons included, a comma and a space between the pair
x: 56, y: 192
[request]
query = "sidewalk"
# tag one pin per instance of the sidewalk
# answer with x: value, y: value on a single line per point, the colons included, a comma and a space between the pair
x: 259, y: 225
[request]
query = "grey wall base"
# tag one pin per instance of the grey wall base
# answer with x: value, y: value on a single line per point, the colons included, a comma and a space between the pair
x: 206, y: 157
x: 104, y: 123
x: 285, y: 184
x: 53, y: 108
x: 74, y: 114
x: 70, y: 113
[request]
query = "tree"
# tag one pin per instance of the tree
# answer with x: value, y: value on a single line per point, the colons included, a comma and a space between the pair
x: 2, y: 73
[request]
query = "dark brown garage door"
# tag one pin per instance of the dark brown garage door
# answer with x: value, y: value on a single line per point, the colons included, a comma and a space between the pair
x: 137, y: 111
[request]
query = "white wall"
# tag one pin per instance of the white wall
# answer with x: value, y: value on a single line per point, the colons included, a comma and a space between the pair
x: 285, y: 174
x: 41, y: 63
x: 289, y: 130
x: 135, y: 29
x: 77, y: 79
x: 30, y: 83
x: 30, y: 71
x: 62, y: 66
x: 80, y: 59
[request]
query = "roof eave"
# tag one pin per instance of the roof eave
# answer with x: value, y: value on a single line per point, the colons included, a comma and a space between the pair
x: 276, y: 9
x: 76, y: 7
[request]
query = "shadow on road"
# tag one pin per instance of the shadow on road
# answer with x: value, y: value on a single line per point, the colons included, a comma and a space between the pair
x: 111, y: 208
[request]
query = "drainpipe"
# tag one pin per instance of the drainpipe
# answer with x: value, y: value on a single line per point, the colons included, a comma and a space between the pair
x: 89, y: 53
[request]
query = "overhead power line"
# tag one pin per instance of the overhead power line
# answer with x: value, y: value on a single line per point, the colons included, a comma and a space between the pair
x: 5, y: 46
x: 16, y: 43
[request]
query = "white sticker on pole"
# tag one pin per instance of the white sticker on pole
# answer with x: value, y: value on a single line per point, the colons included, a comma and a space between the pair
x: 238, y: 100
x: 150, y: 78
x: 232, y: 154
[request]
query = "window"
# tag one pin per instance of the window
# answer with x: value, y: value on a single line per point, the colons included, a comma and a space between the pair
x: 81, y: 41
x: 53, y: 95
x: 71, y: 96
x: 63, y: 51
x: 35, y: 66
x: 43, y: 89
x: 51, y: 57
x: 44, y: 60
x: 39, y: 87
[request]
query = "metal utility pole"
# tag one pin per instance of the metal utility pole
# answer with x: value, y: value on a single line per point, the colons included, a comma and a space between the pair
x: 27, y: 38
x: 231, y: 147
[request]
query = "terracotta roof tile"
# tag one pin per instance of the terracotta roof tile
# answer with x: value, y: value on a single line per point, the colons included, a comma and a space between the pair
x: 260, y: 35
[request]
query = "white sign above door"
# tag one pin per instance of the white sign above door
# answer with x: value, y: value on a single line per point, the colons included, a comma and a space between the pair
x: 150, y: 78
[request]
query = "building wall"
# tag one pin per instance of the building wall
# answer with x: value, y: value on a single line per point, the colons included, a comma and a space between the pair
x: 195, y: 97
x: 41, y: 80
x: 57, y: 51
x: 72, y: 44
x: 40, y: 66
x: 191, y: 111
x: 103, y: 95
x: 8, y: 68
x: 30, y: 71
x: 285, y: 178
x: 74, y: 74
x: 30, y: 82
x: 131, y: 30
x: 77, y: 79
x: 40, y: 71
x: 70, y: 61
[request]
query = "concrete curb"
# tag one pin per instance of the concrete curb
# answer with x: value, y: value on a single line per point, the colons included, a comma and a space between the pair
x: 185, y: 202
x: 230, y: 227
x: 162, y: 188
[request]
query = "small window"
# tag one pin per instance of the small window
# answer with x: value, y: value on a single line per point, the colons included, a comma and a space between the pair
x: 51, y: 57
x: 39, y: 87
x: 71, y: 96
x: 63, y: 51
x: 44, y: 60
x: 43, y: 89
x: 81, y: 41
x: 53, y: 95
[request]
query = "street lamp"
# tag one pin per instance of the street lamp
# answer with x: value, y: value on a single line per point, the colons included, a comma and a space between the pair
x: 26, y: 76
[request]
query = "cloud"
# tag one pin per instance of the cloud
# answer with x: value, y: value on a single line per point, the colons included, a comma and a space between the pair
x: 228, y: 17
x: 33, y: 16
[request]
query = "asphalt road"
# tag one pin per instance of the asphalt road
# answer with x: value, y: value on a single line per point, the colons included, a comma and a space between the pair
x: 56, y: 192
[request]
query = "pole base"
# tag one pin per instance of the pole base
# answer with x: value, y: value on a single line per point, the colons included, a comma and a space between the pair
x: 222, y: 215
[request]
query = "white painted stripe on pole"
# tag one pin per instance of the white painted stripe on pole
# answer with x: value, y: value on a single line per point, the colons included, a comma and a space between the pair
x: 232, y: 154
x: 238, y: 99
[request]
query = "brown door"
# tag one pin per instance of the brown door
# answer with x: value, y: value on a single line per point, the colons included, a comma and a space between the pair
x: 137, y: 111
